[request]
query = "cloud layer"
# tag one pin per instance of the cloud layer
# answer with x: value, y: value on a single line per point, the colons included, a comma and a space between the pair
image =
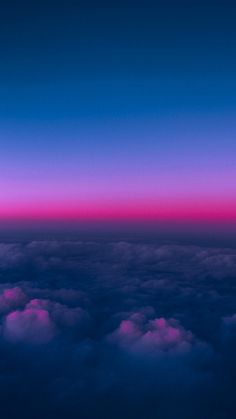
x: 101, y: 329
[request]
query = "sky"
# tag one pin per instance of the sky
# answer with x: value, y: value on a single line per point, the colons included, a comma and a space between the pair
x: 118, y: 111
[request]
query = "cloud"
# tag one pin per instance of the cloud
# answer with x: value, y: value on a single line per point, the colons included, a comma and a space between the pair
x: 141, y: 328
x: 31, y: 325
x: 156, y: 336
x: 11, y: 298
x: 11, y: 254
x: 62, y: 315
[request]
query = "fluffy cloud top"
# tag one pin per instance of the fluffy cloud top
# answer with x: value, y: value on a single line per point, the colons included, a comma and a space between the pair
x: 153, y: 336
x: 41, y: 320
x: 31, y: 325
x: 61, y: 314
x: 11, y: 298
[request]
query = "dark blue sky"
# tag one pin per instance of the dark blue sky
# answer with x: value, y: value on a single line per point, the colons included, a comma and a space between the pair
x: 65, y: 58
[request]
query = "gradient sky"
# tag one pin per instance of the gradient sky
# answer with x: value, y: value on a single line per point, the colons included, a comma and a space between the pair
x: 118, y: 110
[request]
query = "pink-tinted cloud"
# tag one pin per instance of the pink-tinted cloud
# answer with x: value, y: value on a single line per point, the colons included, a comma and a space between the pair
x: 11, y: 299
x: 138, y: 335
x: 62, y: 315
x: 38, y: 320
x: 31, y: 325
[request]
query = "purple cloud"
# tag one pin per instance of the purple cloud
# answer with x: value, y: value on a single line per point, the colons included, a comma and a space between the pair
x: 160, y: 335
x: 31, y: 325
x: 11, y: 299
x: 62, y: 315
